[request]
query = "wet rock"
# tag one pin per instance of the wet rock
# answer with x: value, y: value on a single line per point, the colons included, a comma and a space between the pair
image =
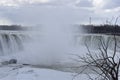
x: 12, y: 61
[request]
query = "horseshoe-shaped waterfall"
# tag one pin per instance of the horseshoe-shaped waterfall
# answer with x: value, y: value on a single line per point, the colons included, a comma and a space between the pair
x: 12, y: 38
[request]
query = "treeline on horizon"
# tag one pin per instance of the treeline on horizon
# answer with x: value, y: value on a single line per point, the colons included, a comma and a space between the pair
x: 102, y: 29
x: 12, y: 27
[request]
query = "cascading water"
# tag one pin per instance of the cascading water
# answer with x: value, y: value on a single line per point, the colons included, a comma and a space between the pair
x: 11, y: 43
x: 51, y: 46
x: 94, y: 40
x: 93, y: 36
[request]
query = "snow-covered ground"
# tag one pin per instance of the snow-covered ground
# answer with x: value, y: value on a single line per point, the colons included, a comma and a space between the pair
x: 19, y: 72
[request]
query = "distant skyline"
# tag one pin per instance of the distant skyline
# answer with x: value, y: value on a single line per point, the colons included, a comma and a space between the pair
x: 36, y: 12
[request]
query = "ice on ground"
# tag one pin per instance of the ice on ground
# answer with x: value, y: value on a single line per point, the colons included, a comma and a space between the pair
x: 29, y: 73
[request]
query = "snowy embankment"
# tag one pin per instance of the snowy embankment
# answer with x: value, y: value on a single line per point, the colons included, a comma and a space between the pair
x: 19, y: 72
x: 59, y: 71
x: 35, y: 72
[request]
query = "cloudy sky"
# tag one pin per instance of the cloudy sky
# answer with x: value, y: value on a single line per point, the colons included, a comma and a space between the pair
x: 36, y: 12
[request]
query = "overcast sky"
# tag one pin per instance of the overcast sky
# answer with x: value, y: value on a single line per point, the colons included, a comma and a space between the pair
x: 36, y: 12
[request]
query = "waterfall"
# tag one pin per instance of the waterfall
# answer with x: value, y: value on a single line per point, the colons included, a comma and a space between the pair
x: 11, y: 43
x: 93, y: 40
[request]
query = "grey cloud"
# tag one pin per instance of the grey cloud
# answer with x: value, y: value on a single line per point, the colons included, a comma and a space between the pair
x: 84, y: 3
x: 112, y: 4
x: 33, y: 15
x: 80, y: 3
x: 37, y: 14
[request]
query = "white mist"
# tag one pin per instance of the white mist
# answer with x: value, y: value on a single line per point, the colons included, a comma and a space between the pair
x: 49, y: 46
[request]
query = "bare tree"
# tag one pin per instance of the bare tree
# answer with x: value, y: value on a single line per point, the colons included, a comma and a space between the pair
x: 104, y: 61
